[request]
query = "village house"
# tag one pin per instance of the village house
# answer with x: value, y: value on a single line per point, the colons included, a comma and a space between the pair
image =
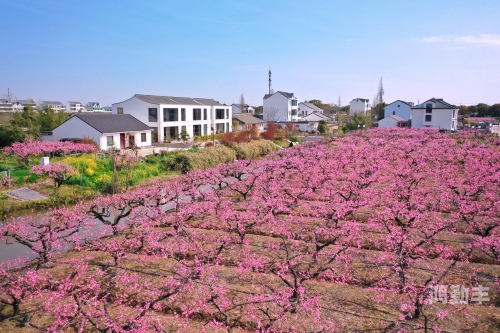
x: 94, y: 107
x: 107, y: 130
x: 434, y: 113
x: 21, y: 104
x: 5, y: 105
x: 360, y: 106
x: 246, y: 108
x: 392, y: 121
x: 76, y: 107
x: 54, y: 105
x: 168, y: 116
x: 306, y: 108
x: 398, y: 108
x: 246, y: 121
x: 280, y: 106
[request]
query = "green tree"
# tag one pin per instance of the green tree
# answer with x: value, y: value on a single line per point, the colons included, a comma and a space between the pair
x: 495, y: 110
x: 320, y: 104
x: 184, y: 135
x: 378, y: 110
x: 483, y: 110
x: 49, y: 119
x: 30, y: 122
x: 322, y: 126
x: 358, y: 122
x: 258, y: 109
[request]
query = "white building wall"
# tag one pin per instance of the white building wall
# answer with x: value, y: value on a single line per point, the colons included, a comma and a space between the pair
x: 284, y: 107
x: 117, y: 143
x: 304, y: 110
x: 387, y: 122
x: 140, y: 110
x: 74, y: 128
x: 313, y: 117
x: 359, y: 106
x: 308, y: 126
x: 235, y: 109
x: 399, y: 109
x: 441, y: 119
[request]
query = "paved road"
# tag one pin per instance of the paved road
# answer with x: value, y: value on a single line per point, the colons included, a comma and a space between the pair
x: 311, y: 138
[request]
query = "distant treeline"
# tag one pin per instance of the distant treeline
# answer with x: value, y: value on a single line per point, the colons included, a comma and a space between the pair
x: 480, y: 110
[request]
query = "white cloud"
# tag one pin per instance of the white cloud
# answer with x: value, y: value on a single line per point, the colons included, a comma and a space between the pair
x: 483, y: 39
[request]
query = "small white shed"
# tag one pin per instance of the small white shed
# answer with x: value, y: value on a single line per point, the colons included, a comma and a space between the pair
x: 391, y: 121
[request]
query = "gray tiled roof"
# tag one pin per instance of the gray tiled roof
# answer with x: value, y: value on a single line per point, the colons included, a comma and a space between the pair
x: 247, y: 118
x: 393, y: 116
x: 318, y: 114
x: 176, y: 100
x: 53, y: 103
x: 287, y: 95
x: 26, y: 102
x: 440, y: 104
x: 312, y: 106
x: 399, y: 101
x: 113, y: 123
x: 238, y: 105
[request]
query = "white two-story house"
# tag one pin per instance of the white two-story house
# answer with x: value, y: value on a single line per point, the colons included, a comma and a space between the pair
x: 94, y: 107
x: 361, y: 106
x: 280, y: 106
x: 76, y: 107
x: 398, y: 108
x: 21, y: 104
x: 434, y: 113
x: 54, y: 105
x: 168, y: 116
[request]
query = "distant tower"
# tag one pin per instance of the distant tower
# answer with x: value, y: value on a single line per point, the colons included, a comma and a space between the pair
x: 270, y: 81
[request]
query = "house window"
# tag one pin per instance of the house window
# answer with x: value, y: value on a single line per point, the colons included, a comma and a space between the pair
x: 204, y: 114
x: 454, y: 113
x: 294, y: 102
x: 219, y: 113
x: 197, y: 129
x: 227, y: 113
x: 428, y: 117
x: 219, y: 127
x: 196, y: 114
x: 153, y: 114
x: 110, y: 141
x: 170, y: 133
x: 394, y: 112
x: 120, y: 111
x: 428, y: 108
x: 183, y: 114
x: 170, y: 114
x: 294, y: 112
x: 143, y: 137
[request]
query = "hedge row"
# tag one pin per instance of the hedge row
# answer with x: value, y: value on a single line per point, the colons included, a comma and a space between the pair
x: 212, y: 156
x: 254, y: 149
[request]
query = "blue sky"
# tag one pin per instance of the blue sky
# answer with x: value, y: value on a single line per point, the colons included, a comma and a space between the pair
x: 109, y: 50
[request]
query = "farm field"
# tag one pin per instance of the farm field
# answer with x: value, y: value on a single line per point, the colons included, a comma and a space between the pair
x: 388, y: 230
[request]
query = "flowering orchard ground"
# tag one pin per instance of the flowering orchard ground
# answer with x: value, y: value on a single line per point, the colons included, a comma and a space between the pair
x: 345, y: 236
